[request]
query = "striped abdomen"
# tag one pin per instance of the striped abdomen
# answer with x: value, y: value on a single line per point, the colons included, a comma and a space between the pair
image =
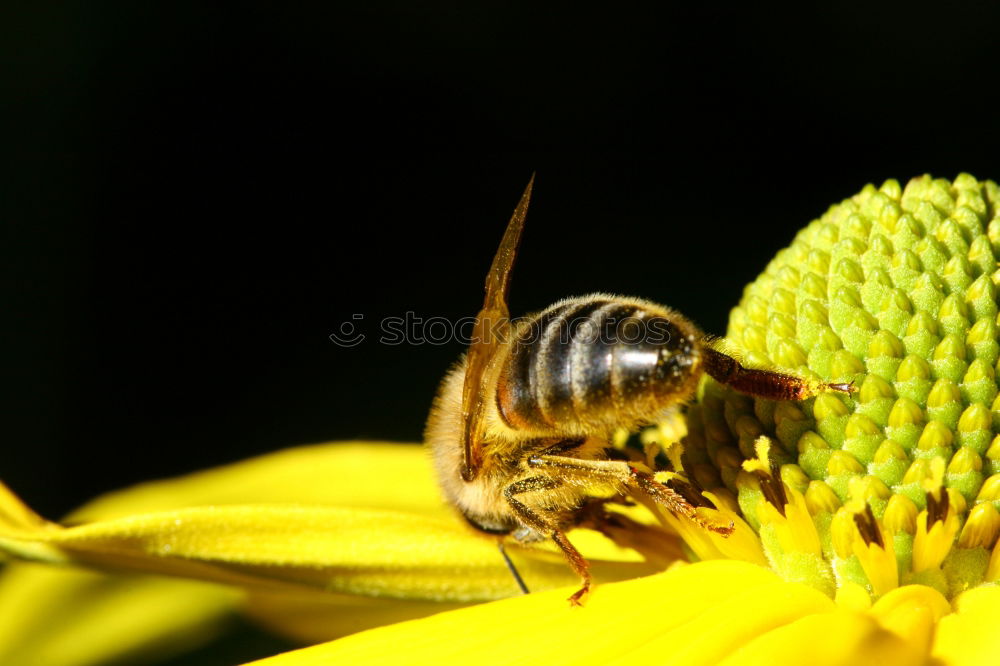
x: 595, y: 363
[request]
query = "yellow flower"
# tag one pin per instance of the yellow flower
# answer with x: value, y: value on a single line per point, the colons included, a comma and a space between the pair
x: 322, y: 541
x: 866, y: 526
x: 350, y: 554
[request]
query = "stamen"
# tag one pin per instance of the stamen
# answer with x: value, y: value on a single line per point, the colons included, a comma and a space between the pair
x: 855, y: 531
x: 937, y: 527
x: 768, y: 473
x: 674, y: 453
x: 937, y: 509
x: 868, y: 527
x: 691, y: 494
x: 794, y: 526
x: 774, y: 489
x: 957, y: 502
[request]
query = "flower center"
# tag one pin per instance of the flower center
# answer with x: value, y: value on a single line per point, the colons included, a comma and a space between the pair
x: 895, y: 290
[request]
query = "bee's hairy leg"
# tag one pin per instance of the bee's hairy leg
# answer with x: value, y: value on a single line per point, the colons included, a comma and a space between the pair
x: 578, y: 564
x: 766, y: 384
x: 525, y: 515
x: 630, y: 477
x: 532, y: 519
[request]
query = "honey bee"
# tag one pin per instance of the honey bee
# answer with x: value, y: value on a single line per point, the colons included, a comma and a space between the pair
x: 520, y: 427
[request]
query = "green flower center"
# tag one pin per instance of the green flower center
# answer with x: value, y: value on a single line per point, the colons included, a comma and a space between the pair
x: 895, y: 290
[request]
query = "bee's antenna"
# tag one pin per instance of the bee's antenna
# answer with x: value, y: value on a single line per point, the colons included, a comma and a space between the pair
x: 513, y: 569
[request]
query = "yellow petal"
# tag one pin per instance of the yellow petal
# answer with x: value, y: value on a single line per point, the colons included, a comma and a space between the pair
x: 879, y: 564
x: 70, y: 617
x: 374, y: 475
x: 851, y: 596
x: 309, y: 618
x: 911, y: 612
x: 932, y: 545
x: 337, y: 473
x: 828, y: 639
x: 369, y: 475
x: 745, y: 613
x: 243, y: 545
x: 649, y: 620
x: 15, y: 515
x: 968, y: 637
x: 354, y: 551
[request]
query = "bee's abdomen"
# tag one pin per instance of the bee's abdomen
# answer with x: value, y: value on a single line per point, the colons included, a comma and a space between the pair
x: 595, y: 362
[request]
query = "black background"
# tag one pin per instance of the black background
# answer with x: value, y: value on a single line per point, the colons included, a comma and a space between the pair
x: 197, y: 195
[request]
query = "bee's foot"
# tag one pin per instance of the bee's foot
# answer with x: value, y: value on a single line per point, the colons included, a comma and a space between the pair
x: 577, y: 597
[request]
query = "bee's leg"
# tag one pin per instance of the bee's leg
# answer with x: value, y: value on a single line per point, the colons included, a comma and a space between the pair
x: 526, y: 515
x: 535, y: 521
x: 578, y: 564
x: 628, y: 476
x: 764, y: 383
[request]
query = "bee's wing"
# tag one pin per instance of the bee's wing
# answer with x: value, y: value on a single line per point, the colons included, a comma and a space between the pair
x: 490, y: 333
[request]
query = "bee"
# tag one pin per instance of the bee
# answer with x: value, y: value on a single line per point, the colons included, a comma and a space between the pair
x: 520, y: 427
